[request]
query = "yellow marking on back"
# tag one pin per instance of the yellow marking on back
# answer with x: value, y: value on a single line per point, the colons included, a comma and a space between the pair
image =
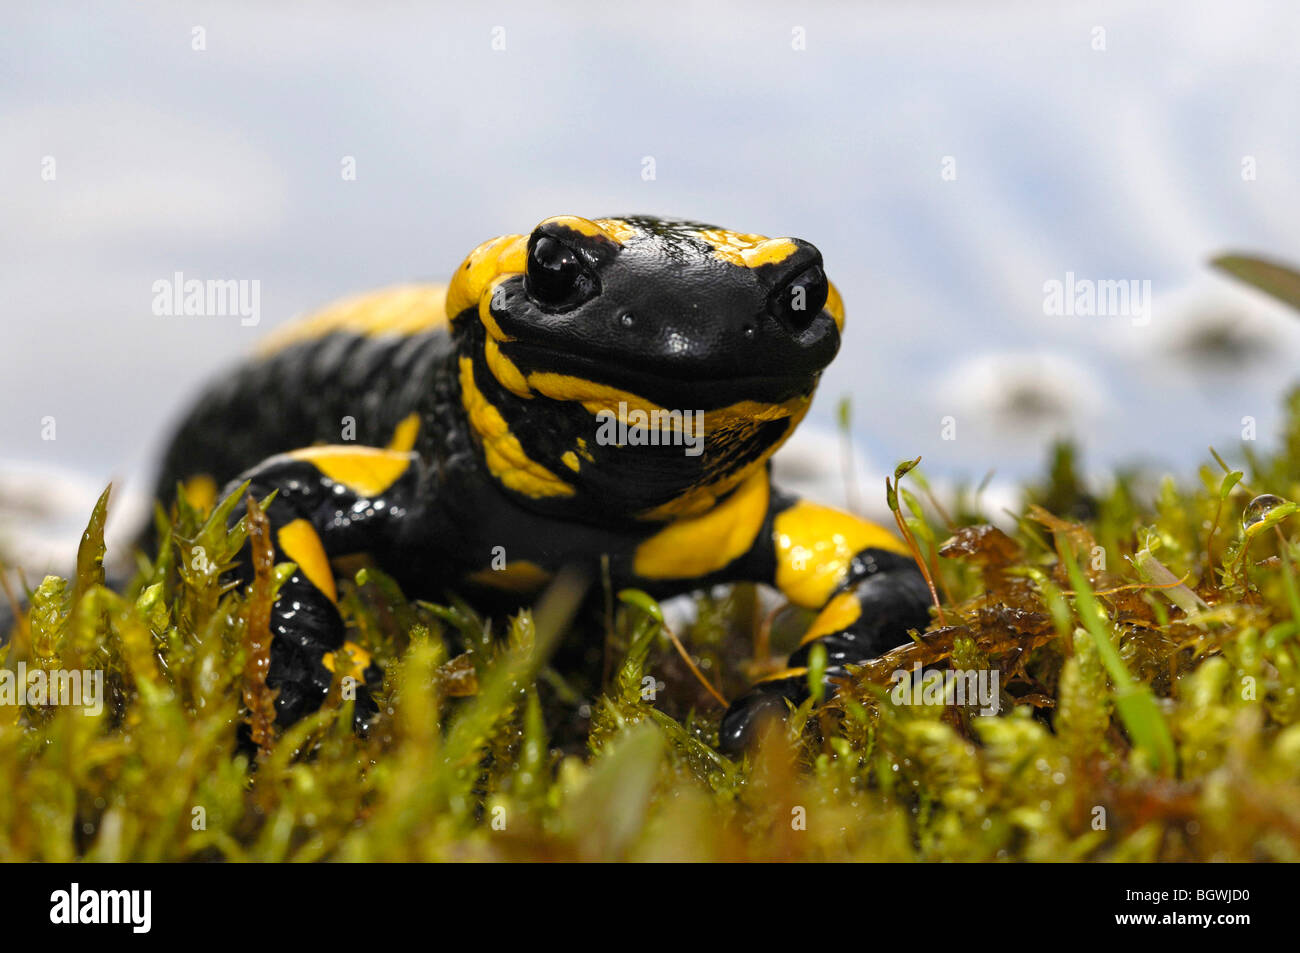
x: 840, y: 613
x: 518, y: 576
x: 200, y: 492
x: 360, y: 661
x: 702, y: 544
x: 496, y: 257
x: 502, y: 451
x: 405, y: 433
x: 570, y: 460
x: 368, y: 471
x: 400, y: 310
x: 814, y: 546
x: 301, y: 543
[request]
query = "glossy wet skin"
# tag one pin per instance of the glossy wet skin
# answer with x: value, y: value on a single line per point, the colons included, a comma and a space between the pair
x: 670, y: 309
x: 586, y: 315
x: 480, y: 438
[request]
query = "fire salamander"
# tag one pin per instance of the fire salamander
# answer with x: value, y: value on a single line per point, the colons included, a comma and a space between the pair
x: 596, y: 388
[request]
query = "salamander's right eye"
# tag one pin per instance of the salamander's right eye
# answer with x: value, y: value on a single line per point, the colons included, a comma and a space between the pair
x: 557, y: 279
x: 796, y: 303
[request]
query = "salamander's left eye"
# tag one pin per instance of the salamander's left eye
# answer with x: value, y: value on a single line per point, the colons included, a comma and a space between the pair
x: 800, y: 299
x: 556, y: 277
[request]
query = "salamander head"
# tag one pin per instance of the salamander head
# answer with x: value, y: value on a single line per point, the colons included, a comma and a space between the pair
x: 587, y: 323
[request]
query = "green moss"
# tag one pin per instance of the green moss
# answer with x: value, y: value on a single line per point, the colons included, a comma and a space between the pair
x: 1149, y: 687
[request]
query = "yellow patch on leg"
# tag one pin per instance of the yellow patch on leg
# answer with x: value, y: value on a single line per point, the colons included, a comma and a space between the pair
x: 359, y: 662
x: 840, y: 613
x: 368, y: 471
x: 301, y: 543
x: 814, y: 547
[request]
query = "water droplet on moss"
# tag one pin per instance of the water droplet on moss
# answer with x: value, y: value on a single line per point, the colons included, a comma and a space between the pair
x: 1257, y: 510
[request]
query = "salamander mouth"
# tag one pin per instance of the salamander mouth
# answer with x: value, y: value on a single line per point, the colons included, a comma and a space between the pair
x: 669, y: 386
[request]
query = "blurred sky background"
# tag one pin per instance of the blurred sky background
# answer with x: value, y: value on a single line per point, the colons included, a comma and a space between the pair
x: 1116, y: 163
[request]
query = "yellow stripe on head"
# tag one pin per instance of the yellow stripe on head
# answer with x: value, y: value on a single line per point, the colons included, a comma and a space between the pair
x: 485, y: 315
x: 504, y: 454
x: 735, y: 423
x: 504, y: 255
x: 597, y: 398
x: 499, y: 258
x: 747, y: 250
x: 592, y: 229
x: 505, y: 370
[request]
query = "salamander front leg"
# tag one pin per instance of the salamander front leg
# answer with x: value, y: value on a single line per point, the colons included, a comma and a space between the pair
x: 330, y: 501
x: 869, y: 590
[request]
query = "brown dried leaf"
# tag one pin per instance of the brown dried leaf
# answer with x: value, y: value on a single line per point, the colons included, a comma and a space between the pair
x: 458, y: 677
x: 985, y: 544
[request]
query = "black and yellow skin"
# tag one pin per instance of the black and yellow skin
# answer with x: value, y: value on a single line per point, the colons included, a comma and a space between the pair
x: 476, y: 414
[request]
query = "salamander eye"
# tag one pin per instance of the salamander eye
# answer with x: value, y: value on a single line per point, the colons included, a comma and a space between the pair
x: 800, y: 299
x: 556, y: 278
